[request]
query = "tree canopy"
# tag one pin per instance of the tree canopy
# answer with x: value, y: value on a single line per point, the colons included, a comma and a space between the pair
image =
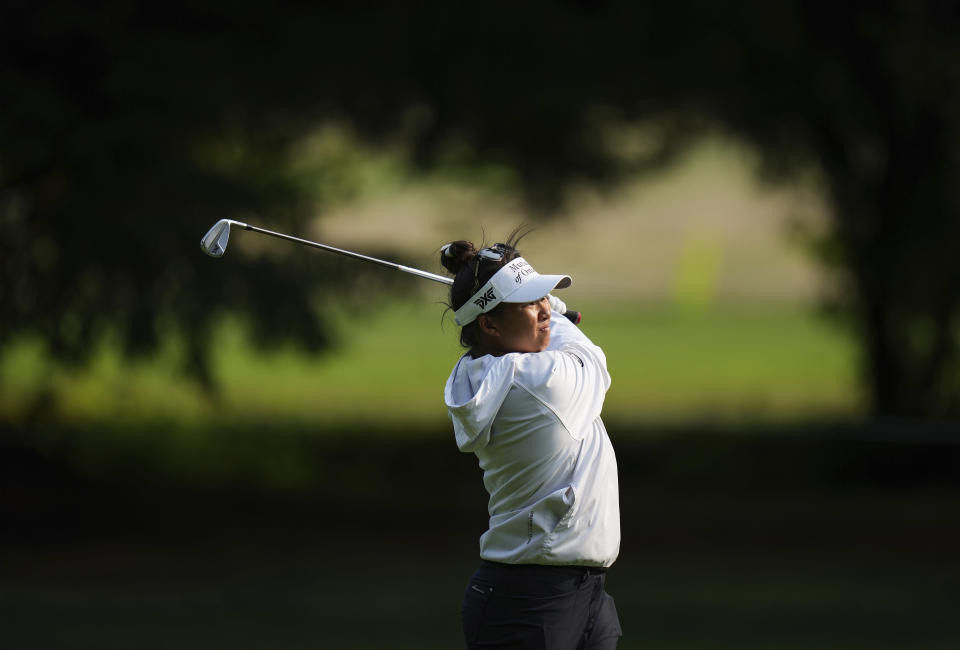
x: 129, y: 129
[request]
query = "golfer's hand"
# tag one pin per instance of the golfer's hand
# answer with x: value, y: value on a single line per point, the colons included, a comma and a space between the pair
x: 559, y: 306
x: 556, y: 304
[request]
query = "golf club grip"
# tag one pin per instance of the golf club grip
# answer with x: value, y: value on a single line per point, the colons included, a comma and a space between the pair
x: 573, y: 316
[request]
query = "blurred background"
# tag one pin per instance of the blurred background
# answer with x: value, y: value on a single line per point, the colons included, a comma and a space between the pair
x: 758, y: 206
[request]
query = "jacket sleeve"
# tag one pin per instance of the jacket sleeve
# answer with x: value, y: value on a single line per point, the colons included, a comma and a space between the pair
x: 570, y: 377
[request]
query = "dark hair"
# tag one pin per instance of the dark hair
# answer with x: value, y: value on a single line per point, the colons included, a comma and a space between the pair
x: 461, y: 260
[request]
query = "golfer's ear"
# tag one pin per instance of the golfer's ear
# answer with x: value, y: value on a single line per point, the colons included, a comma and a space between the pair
x: 487, y: 325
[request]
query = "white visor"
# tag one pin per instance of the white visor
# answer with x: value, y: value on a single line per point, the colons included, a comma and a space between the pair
x: 515, y: 282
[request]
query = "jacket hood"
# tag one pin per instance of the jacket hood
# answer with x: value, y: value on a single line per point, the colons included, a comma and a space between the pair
x: 474, y: 392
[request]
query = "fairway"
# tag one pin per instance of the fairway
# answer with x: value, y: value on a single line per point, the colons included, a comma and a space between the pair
x: 731, y: 363
x: 726, y: 364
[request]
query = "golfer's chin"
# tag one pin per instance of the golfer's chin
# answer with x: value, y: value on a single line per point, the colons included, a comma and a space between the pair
x: 544, y: 341
x: 537, y: 342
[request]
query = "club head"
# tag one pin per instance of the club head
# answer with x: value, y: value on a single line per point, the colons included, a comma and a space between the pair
x: 214, y: 243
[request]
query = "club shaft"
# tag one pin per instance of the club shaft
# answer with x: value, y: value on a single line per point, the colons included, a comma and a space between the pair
x: 346, y: 253
x: 212, y: 245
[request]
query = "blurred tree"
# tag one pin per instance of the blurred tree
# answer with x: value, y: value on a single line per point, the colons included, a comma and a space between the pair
x: 125, y: 134
x: 127, y: 130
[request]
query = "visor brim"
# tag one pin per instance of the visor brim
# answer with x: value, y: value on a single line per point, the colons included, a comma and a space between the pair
x: 538, y: 287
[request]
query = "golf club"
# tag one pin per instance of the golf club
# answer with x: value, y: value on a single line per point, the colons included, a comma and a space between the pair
x: 214, y: 244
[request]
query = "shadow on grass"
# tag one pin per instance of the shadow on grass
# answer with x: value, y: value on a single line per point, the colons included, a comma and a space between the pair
x: 825, y: 536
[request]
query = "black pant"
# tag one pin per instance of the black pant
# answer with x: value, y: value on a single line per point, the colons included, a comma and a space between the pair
x: 532, y: 607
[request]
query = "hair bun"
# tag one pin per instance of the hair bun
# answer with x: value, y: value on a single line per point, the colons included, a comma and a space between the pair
x: 456, y: 255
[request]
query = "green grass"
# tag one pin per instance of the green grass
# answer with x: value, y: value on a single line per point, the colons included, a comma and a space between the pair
x: 706, y: 572
x: 732, y: 363
x: 669, y: 365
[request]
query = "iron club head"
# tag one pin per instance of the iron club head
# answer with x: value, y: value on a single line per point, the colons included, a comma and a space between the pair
x: 214, y: 243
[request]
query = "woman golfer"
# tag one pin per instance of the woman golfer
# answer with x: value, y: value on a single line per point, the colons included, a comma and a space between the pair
x: 526, y: 399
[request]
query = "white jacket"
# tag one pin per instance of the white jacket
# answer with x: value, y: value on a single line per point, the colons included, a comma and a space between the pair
x: 533, y: 420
